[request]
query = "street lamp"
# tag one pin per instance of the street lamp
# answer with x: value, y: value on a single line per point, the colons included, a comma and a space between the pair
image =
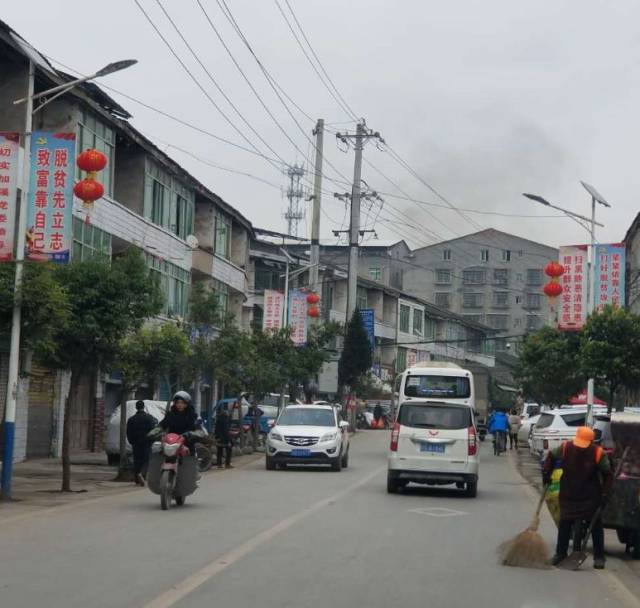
x: 596, y: 197
x: 14, y: 351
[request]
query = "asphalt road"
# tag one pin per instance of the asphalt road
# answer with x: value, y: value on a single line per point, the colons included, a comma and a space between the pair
x: 296, y: 538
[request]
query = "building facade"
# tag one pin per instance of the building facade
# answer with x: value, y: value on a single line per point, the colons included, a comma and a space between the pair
x: 632, y: 274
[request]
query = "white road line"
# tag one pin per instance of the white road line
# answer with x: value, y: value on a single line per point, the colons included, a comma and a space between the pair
x: 189, y: 584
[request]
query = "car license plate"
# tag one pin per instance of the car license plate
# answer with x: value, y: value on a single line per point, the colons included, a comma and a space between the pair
x: 301, y: 453
x: 436, y: 448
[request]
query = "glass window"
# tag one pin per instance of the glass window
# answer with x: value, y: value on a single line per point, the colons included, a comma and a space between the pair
x: 361, y: 298
x: 222, y: 245
x: 401, y: 360
x: 472, y: 300
x: 184, y: 217
x: 446, y: 255
x: 506, y: 255
x: 533, y: 322
x: 534, y: 276
x: 174, y: 283
x: 443, y: 300
x: 484, y: 255
x: 405, y: 313
x: 501, y: 299
x: 443, y: 277
x: 90, y: 241
x: 429, y: 328
x: 434, y: 416
x: 375, y: 273
x: 501, y: 276
x: 92, y: 133
x: 451, y: 387
x: 473, y: 277
x: 222, y: 292
x: 158, y: 197
x: 533, y: 300
x: 518, y: 299
x: 498, y: 321
x: 417, y: 321
x: 475, y: 318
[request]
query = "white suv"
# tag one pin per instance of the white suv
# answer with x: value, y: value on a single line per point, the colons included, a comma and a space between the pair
x: 308, y: 434
x: 436, y: 444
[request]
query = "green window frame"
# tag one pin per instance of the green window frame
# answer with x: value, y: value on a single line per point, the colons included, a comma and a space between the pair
x: 405, y: 314
x: 375, y: 273
x: 361, y: 298
x: 222, y: 293
x: 401, y: 360
x: 89, y: 241
x: 174, y: 283
x: 93, y: 133
x: 222, y: 236
x: 429, y: 328
x: 417, y: 321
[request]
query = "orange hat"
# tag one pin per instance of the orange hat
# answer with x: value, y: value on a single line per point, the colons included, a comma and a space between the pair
x: 584, y: 437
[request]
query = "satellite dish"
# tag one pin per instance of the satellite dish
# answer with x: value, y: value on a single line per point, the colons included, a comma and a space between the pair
x: 192, y: 242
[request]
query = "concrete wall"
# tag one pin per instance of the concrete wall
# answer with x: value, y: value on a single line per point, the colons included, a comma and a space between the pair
x: 14, y: 86
x: 129, y: 177
x: 205, y: 223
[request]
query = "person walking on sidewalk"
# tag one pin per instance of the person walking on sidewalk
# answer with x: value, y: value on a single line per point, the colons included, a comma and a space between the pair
x: 586, y: 479
x: 515, y: 422
x: 223, y: 438
x: 138, y: 426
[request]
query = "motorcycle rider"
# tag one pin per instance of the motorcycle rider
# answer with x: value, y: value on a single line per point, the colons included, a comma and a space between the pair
x: 182, y: 420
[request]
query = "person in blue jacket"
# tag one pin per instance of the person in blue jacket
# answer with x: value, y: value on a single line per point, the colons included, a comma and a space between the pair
x: 499, y: 427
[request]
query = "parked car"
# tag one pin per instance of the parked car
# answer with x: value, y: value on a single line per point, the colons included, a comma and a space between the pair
x: 112, y: 441
x: 525, y: 431
x: 308, y: 434
x: 435, y: 444
x: 269, y: 415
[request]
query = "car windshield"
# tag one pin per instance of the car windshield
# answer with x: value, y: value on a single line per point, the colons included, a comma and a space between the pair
x: 307, y: 417
x: 448, y: 387
x: 434, y: 416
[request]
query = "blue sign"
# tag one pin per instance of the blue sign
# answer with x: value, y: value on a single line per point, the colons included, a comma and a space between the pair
x: 610, y: 271
x: 368, y: 320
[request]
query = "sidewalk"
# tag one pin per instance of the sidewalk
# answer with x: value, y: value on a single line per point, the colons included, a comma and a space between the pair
x: 36, y: 482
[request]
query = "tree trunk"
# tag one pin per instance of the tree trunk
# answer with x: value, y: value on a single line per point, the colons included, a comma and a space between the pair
x: 123, y: 465
x: 612, y: 390
x: 66, y: 432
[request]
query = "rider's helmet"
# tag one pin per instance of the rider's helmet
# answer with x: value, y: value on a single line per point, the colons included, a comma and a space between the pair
x: 184, y: 396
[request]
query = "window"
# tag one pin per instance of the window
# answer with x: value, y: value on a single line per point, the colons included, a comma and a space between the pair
x: 401, y: 360
x: 506, y: 255
x: 498, y: 321
x: 159, y: 198
x: 473, y: 277
x: 484, y: 255
x: 222, y: 292
x: 501, y: 299
x: 429, y: 328
x: 184, y: 217
x: 222, y: 244
x: 534, y: 276
x: 417, y: 322
x: 446, y: 255
x: 375, y: 273
x: 520, y: 252
x: 93, y: 133
x: 174, y: 284
x: 443, y: 300
x: 533, y: 322
x: 518, y: 299
x: 517, y: 322
x: 472, y: 300
x: 519, y: 277
x: 89, y: 241
x: 475, y: 318
x: 268, y: 278
x: 450, y: 387
x: 258, y: 316
x: 501, y: 276
x: 443, y: 277
x: 405, y: 313
x: 396, y: 279
x: 361, y: 298
x: 533, y: 301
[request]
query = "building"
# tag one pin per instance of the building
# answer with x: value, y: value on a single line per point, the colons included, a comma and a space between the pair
x: 632, y: 274
x: 186, y: 232
x: 488, y: 277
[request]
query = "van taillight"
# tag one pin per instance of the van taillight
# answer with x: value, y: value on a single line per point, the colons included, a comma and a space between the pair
x: 472, y: 441
x: 395, y: 433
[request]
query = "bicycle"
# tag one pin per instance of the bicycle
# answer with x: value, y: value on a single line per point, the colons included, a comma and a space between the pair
x: 499, y: 442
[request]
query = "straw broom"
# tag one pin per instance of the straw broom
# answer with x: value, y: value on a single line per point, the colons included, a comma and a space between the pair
x: 527, y: 549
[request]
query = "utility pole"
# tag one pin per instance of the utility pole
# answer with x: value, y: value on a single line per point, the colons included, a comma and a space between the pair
x: 317, y: 201
x: 295, y: 194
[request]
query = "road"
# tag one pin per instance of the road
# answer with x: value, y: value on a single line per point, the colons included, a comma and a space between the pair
x: 296, y: 538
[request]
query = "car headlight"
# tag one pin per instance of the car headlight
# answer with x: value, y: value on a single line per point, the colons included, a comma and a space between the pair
x: 329, y: 437
x: 275, y: 436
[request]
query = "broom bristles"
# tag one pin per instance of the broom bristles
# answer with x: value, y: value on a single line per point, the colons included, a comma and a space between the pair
x: 526, y: 550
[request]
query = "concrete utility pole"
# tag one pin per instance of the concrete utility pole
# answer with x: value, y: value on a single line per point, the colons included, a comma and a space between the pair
x: 317, y: 201
x: 295, y: 194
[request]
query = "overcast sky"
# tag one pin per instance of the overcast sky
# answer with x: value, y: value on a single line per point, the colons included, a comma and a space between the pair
x: 484, y: 99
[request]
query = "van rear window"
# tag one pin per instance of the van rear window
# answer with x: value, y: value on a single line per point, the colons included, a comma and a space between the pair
x: 442, y: 387
x: 434, y: 416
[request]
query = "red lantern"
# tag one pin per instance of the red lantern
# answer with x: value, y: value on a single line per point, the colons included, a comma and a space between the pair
x: 313, y: 312
x: 554, y: 269
x: 552, y: 290
x: 313, y: 298
x: 91, y: 161
x: 88, y: 191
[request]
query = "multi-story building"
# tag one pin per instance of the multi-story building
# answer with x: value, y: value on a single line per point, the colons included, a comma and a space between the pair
x: 489, y: 277
x: 185, y: 231
x: 632, y: 274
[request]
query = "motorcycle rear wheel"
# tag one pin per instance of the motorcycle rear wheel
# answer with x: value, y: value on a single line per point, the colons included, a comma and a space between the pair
x: 166, y: 489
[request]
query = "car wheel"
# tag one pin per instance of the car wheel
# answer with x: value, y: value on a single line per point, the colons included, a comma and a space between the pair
x: 472, y: 489
x: 345, y: 459
x: 336, y: 465
x: 269, y: 464
x: 393, y: 487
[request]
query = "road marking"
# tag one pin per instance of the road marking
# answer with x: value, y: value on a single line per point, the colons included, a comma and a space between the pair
x: 191, y: 583
x: 438, y: 512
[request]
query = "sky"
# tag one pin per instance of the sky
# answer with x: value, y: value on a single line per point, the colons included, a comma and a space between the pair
x: 483, y: 100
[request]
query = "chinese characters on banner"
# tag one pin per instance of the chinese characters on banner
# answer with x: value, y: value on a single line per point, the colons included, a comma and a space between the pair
x: 610, y: 275
x: 368, y: 320
x: 49, y: 221
x: 298, y: 316
x: 573, y: 301
x: 273, y: 307
x: 9, y: 146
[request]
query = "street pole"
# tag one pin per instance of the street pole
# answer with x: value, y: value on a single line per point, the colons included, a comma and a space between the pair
x: 317, y: 201
x: 14, y: 349
x: 354, y: 227
x: 591, y: 305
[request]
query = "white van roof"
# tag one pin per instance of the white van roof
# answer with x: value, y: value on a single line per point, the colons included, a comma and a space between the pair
x: 435, y: 365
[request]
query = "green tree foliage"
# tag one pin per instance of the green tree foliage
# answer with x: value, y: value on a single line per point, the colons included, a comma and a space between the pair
x: 549, y: 366
x: 610, y: 349
x: 356, y: 358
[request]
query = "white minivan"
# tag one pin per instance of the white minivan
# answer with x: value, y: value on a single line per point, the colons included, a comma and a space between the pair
x: 434, y: 439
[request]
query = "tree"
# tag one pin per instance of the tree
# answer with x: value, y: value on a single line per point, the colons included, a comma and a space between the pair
x: 610, y: 349
x: 549, y: 366
x: 356, y: 358
x: 106, y: 301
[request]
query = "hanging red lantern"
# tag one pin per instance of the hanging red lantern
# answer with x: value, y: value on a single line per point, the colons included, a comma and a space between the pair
x: 552, y: 289
x: 88, y: 191
x: 91, y: 161
x: 554, y: 269
x: 313, y: 312
x: 313, y: 298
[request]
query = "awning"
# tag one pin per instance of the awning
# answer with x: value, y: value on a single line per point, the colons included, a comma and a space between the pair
x: 508, y: 389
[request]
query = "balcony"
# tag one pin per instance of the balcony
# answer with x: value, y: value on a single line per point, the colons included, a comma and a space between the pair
x: 220, y: 269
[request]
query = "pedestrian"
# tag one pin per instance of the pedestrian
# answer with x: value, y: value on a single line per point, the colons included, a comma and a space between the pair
x: 586, y: 479
x: 498, y: 427
x: 377, y: 412
x: 223, y: 438
x: 138, y: 426
x: 515, y: 422
x: 255, y: 413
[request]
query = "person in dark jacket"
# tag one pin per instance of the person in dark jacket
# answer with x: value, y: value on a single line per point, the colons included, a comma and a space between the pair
x: 586, y: 479
x: 223, y: 437
x: 138, y: 426
x: 181, y: 417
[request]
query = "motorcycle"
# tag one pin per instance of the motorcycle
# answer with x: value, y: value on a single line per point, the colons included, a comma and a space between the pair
x: 173, y: 470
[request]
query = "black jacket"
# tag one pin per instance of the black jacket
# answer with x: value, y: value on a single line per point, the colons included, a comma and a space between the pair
x: 223, y: 426
x: 179, y: 422
x: 138, y: 426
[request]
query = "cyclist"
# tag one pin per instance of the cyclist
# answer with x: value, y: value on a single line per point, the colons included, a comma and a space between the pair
x: 499, y: 427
